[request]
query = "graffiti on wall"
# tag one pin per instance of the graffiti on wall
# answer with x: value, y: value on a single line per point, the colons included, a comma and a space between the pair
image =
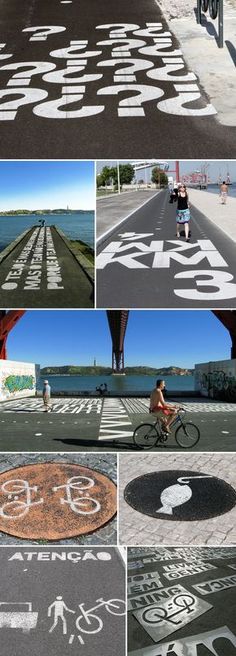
x: 17, y: 383
x: 218, y: 385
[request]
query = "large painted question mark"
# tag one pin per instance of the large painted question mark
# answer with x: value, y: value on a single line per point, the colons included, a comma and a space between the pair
x: 164, y: 73
x: 24, y: 77
x: 119, y: 29
x: 124, y: 48
x: 156, y: 50
x: 63, y: 75
x: 132, y: 106
x: 44, y: 31
x: 2, y: 46
x: 51, y: 108
x: 186, y: 94
x: 72, y: 51
x: 8, y: 110
x: 127, y: 73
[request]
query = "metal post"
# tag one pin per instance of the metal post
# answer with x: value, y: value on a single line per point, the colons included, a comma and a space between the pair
x: 221, y: 23
x: 199, y: 15
x: 118, y: 177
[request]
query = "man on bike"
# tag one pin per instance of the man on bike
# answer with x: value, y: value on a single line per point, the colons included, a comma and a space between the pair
x: 166, y: 411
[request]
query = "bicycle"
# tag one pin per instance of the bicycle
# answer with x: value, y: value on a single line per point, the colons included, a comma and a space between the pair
x: 146, y: 436
x: 113, y: 606
x: 212, y: 5
x: 157, y: 614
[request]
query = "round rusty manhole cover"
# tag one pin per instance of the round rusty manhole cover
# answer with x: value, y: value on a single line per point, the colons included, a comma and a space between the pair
x: 54, y: 501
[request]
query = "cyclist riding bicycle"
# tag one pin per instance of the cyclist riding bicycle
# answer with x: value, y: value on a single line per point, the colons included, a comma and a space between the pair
x: 159, y: 407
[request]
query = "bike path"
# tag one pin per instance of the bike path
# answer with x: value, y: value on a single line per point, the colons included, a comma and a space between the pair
x: 124, y: 92
x: 41, y: 271
x: 142, y: 264
x: 78, y: 425
x: 191, y: 569
x: 44, y: 591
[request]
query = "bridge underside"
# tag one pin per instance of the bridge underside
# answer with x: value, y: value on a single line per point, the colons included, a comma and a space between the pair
x: 228, y: 319
x: 8, y: 320
x: 118, y: 320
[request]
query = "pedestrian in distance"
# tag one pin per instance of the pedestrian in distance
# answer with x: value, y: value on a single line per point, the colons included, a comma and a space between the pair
x: 47, y: 396
x: 182, y: 212
x: 165, y: 411
x: 223, y: 193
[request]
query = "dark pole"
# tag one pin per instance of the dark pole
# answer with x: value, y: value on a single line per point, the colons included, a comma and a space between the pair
x: 199, y: 16
x: 221, y: 23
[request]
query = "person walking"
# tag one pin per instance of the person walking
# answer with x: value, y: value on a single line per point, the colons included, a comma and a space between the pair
x: 182, y: 212
x: 159, y: 407
x: 47, y: 396
x: 223, y: 193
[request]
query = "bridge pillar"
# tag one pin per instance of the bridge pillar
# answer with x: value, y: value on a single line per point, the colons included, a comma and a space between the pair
x: 117, y: 320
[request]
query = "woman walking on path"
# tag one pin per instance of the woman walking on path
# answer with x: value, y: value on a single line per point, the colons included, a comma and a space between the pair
x: 182, y: 212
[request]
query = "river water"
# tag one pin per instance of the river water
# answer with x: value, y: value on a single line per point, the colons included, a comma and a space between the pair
x: 122, y: 384
x: 75, y: 226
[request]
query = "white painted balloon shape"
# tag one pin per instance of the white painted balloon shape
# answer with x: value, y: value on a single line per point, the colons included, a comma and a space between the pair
x: 176, y: 495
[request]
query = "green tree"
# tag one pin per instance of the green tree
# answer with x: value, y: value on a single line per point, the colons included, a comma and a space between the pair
x: 105, y: 176
x: 126, y: 174
x: 159, y: 177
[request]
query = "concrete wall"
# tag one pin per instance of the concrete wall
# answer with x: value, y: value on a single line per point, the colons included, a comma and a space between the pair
x: 17, y: 379
x: 217, y: 380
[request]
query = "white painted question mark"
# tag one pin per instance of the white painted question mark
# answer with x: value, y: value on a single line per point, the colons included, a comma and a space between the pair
x: 44, y: 31
x: 24, y: 77
x: 124, y: 48
x: 8, y: 110
x: 2, y: 46
x: 127, y: 74
x: 51, y: 108
x: 132, y: 106
x: 72, y: 51
x: 63, y: 76
x: 186, y: 94
x: 119, y: 29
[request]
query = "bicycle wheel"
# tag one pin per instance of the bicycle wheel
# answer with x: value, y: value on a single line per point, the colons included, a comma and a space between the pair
x: 90, y: 624
x: 213, y: 8
x: 184, y: 601
x: 154, y: 615
x: 116, y: 607
x: 145, y: 436
x: 204, y: 5
x: 187, y: 435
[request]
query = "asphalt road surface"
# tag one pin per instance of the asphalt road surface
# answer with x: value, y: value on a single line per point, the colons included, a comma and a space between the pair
x: 75, y: 425
x: 44, y: 592
x: 42, y: 272
x: 83, y: 79
x: 142, y: 264
x: 206, y: 618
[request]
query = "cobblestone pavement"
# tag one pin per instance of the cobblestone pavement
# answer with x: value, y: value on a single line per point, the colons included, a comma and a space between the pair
x: 105, y: 463
x: 136, y: 528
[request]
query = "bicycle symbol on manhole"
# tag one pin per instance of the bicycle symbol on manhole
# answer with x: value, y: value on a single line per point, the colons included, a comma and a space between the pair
x: 56, y: 500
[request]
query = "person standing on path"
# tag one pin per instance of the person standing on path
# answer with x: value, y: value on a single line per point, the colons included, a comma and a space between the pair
x: 47, y: 396
x: 182, y: 212
x: 223, y: 193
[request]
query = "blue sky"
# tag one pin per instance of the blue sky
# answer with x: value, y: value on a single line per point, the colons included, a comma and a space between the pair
x: 154, y: 338
x: 46, y: 185
x: 215, y: 168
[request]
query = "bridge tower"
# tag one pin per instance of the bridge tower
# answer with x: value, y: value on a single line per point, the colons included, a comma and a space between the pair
x: 118, y: 320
